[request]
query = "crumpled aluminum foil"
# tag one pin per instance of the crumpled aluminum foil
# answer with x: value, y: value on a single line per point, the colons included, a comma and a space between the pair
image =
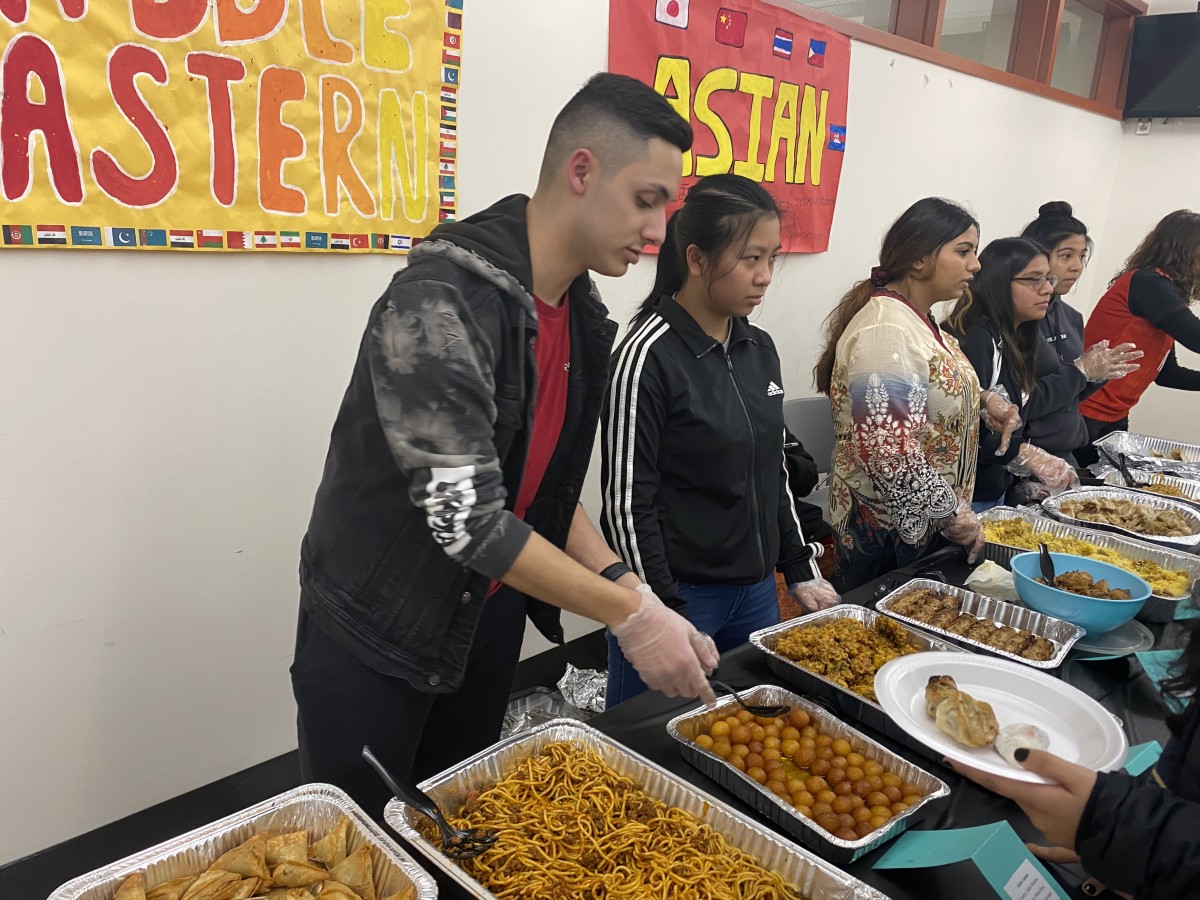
x: 584, y: 688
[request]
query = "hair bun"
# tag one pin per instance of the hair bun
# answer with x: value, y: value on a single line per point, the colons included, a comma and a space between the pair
x: 1055, y: 208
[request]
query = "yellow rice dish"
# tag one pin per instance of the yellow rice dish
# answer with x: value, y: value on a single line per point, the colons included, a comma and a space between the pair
x: 1020, y: 533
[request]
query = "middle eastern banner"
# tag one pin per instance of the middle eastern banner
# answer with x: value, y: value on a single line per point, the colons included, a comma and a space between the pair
x: 764, y: 89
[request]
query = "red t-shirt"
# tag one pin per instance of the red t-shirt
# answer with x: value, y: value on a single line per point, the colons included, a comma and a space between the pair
x: 552, y: 356
x: 552, y: 352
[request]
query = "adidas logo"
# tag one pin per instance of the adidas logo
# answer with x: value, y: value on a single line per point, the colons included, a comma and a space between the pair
x: 774, y: 390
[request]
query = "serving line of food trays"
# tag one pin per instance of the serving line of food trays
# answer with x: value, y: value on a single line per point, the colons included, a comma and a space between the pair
x: 1061, y: 635
x: 315, y: 808
x: 1153, y: 454
x: 1161, y: 607
x: 815, y: 877
x: 1189, y: 491
x: 686, y: 727
x: 1057, y: 507
x: 845, y: 702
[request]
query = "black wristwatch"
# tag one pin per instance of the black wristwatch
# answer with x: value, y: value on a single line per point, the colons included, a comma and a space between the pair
x: 615, y: 571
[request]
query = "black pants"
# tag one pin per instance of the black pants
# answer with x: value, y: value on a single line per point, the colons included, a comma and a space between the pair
x: 1096, y: 430
x: 343, y: 704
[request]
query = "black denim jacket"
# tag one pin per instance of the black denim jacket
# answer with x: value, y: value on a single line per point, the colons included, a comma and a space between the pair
x: 412, y: 518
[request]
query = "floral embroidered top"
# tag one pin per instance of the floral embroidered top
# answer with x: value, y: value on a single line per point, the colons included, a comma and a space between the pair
x: 906, y: 421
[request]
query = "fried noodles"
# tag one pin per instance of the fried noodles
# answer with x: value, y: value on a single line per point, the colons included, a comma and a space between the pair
x: 568, y: 826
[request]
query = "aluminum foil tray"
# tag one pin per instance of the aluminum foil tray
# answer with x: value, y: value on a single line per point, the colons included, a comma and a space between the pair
x: 315, y: 807
x: 1191, y: 489
x: 1185, y: 542
x: 1139, y: 450
x: 685, y: 727
x: 816, y: 878
x: 848, y: 703
x: 1157, y: 609
x: 1061, y: 634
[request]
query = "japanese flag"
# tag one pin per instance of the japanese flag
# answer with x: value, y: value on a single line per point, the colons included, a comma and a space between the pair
x: 672, y: 12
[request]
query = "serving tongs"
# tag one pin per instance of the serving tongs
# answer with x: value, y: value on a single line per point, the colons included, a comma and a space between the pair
x: 766, y: 710
x: 1122, y: 466
x: 457, y: 843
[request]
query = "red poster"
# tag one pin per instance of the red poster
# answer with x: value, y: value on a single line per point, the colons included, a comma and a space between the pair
x: 764, y: 89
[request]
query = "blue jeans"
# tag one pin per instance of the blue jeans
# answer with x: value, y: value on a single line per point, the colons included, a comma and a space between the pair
x: 982, y: 506
x: 726, y: 612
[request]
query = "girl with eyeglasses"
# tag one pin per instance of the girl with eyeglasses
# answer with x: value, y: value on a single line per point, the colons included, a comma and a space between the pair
x: 997, y: 325
x: 906, y: 401
x: 1064, y: 373
x: 1148, y: 304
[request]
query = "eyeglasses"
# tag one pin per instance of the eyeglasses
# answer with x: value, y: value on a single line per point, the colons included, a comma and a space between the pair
x: 1036, y: 281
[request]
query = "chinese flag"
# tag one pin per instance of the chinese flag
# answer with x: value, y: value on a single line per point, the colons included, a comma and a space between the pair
x: 731, y: 27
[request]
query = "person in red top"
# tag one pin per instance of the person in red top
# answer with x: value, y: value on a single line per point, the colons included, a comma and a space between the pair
x: 1147, y: 304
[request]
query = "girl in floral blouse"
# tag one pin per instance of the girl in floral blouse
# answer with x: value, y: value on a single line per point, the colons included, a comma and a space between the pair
x: 906, y: 402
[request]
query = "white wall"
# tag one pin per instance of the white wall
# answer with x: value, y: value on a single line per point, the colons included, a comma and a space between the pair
x: 164, y: 417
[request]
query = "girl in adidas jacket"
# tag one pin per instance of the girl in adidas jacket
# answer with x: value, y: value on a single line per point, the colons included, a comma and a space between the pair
x: 696, y: 498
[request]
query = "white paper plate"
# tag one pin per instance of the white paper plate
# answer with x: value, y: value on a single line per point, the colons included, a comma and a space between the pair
x: 1080, y: 729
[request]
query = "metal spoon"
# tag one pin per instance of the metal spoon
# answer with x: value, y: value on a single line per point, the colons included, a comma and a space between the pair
x: 1047, y: 564
x: 767, y: 711
x: 457, y: 843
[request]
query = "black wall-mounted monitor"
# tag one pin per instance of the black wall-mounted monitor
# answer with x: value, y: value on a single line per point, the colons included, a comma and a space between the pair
x: 1164, y: 67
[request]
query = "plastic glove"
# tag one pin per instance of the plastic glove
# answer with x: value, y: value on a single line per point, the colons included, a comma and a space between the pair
x: 1000, y: 415
x: 1025, y: 492
x: 1103, y: 363
x: 1055, y: 473
x: 965, y: 528
x: 815, y: 595
x: 666, y: 649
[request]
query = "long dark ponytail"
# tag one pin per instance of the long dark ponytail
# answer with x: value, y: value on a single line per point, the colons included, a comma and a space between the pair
x: 719, y: 212
x: 920, y: 232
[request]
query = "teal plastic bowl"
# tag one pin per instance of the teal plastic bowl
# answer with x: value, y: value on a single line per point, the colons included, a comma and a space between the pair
x: 1093, y: 615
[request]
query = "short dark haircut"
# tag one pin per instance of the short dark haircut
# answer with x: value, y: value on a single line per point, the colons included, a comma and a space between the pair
x: 613, y: 116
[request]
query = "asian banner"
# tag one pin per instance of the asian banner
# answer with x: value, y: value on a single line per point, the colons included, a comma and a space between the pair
x: 765, y: 91
x: 224, y: 125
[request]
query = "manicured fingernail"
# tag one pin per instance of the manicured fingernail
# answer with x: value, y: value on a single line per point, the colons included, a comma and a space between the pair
x: 1021, y: 754
x: 1090, y: 888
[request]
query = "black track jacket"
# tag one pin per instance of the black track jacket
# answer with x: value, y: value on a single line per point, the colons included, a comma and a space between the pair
x: 694, y: 482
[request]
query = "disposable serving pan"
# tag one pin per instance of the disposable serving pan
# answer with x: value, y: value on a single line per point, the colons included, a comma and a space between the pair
x: 1061, y: 634
x: 1190, y: 489
x: 858, y: 708
x: 1140, y: 450
x: 816, y: 878
x: 684, y: 729
x: 1159, y: 608
x: 315, y: 807
x: 1054, y: 506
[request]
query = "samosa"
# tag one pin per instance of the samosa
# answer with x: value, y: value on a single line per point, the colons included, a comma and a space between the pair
x: 355, y: 872
x: 214, y: 884
x: 331, y: 849
x: 293, y: 846
x: 132, y: 888
x: 247, y: 859
x: 335, y: 890
x: 298, y: 874
x: 171, y: 890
